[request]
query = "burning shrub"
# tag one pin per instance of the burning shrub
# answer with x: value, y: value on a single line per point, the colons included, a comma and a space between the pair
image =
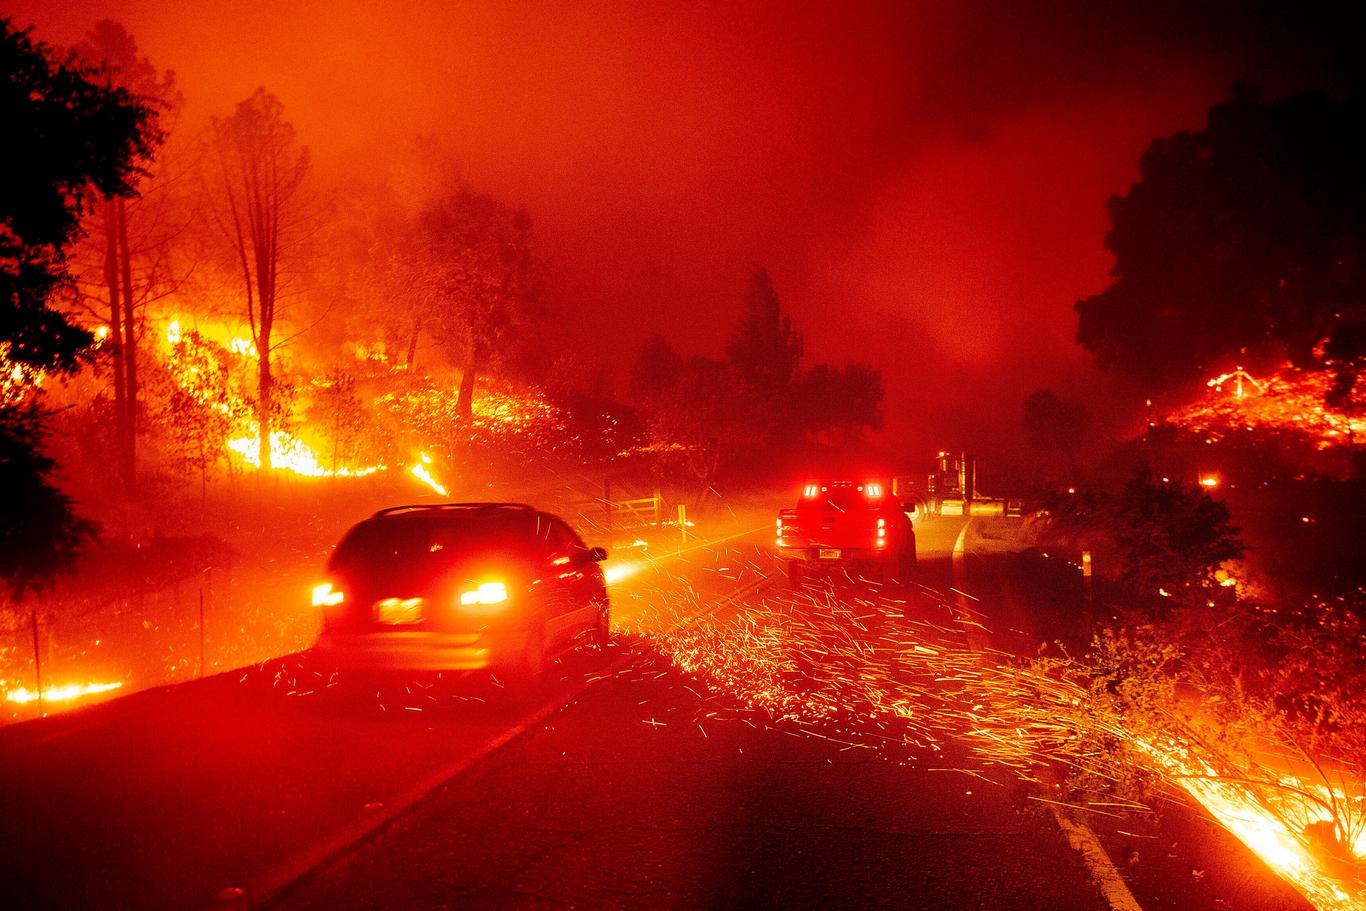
x: 504, y: 418
x: 196, y: 409
x: 336, y: 413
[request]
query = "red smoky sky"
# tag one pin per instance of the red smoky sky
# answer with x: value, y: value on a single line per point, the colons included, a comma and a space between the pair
x: 924, y: 181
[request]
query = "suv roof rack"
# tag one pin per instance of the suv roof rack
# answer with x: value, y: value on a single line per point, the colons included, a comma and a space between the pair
x: 437, y: 507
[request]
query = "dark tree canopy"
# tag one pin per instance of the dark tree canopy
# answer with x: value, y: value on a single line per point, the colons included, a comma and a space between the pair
x: 476, y: 252
x: 1242, y: 243
x: 69, y: 138
x: 40, y: 533
x: 656, y: 368
x: 765, y: 349
x: 1053, y: 425
x: 840, y: 402
x: 739, y: 410
x: 114, y: 51
x: 1159, y: 535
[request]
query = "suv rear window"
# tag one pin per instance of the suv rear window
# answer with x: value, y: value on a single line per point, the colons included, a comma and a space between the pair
x: 385, y: 545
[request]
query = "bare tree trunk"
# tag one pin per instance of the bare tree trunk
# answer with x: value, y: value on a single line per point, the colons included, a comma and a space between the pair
x: 412, y: 344
x: 263, y: 401
x: 37, y: 656
x: 130, y: 351
x: 464, y: 401
x: 111, y: 282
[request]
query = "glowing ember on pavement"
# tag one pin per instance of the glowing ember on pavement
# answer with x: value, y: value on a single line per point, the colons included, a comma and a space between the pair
x: 860, y: 671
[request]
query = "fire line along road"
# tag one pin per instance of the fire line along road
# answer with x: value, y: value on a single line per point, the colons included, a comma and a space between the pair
x: 740, y: 744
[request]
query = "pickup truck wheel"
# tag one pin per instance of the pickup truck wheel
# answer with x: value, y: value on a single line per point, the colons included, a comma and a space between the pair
x: 795, y: 572
x: 905, y: 567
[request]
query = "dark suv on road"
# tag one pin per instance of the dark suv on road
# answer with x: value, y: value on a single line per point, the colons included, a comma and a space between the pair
x: 461, y: 586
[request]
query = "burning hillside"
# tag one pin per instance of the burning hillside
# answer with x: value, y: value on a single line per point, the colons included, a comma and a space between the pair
x: 1289, y: 402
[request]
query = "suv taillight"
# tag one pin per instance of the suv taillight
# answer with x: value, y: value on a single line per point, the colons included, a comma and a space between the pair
x: 484, y: 598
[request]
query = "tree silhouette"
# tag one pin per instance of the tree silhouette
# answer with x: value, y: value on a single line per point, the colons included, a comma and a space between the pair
x: 1159, y: 534
x: 765, y: 349
x: 259, y: 171
x: 715, y: 415
x: 1244, y: 242
x: 40, y: 532
x: 69, y: 140
x: 128, y: 285
x: 656, y: 368
x: 476, y: 275
x: 839, y: 403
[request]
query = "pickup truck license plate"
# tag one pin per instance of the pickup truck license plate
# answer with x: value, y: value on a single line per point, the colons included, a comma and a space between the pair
x: 829, y: 553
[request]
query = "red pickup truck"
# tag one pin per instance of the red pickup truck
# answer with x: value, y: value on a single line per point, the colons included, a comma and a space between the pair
x: 855, y: 526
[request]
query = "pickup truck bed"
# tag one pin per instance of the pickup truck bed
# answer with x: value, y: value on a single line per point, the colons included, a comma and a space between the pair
x: 840, y: 528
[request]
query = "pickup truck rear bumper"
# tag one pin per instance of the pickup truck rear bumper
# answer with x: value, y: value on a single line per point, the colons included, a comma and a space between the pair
x: 835, y: 554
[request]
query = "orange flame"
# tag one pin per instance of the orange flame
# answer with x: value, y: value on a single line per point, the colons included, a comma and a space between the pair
x: 420, y: 471
x: 64, y: 693
x: 1292, y: 401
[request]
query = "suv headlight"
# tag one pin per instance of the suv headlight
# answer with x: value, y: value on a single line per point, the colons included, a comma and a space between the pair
x: 326, y: 596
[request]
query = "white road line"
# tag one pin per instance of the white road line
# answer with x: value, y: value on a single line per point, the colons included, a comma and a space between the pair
x: 960, y: 545
x: 267, y: 890
x: 1103, y: 873
x: 271, y: 887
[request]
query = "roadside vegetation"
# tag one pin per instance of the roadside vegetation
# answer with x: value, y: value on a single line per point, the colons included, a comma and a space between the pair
x: 1229, y: 671
x: 210, y: 358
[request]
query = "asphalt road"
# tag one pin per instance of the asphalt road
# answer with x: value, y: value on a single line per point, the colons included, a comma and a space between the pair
x: 625, y: 782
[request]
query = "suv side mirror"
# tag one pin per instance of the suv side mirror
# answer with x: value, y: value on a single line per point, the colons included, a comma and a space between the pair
x: 597, y: 554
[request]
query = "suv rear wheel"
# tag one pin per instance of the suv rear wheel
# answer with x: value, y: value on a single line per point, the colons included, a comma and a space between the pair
x: 528, y: 668
x: 602, y: 628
